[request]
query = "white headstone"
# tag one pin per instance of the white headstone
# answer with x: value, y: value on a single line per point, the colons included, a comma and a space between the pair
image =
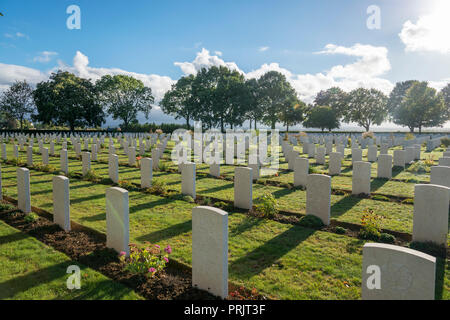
x: 318, y: 196
x: 301, y: 170
x: 117, y: 220
x: 243, y: 197
x: 61, y: 202
x: 392, y: 272
x: 188, y: 179
x: 23, y: 190
x: 430, y: 220
x: 210, y: 250
x: 146, y: 172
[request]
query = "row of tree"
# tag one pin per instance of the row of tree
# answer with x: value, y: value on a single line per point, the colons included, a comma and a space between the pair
x: 68, y: 100
x: 220, y: 97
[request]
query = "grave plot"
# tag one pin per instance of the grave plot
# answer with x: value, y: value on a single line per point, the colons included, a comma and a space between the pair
x: 283, y: 256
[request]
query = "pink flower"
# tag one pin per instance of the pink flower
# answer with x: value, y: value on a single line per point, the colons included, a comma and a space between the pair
x: 122, y: 253
x: 168, y: 249
x: 166, y: 259
x: 157, y: 246
x: 151, y: 270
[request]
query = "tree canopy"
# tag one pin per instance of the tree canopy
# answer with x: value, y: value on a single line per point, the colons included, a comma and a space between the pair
x: 366, y: 107
x: 124, y: 97
x: 66, y: 99
x: 421, y: 107
x: 17, y: 101
x: 323, y: 117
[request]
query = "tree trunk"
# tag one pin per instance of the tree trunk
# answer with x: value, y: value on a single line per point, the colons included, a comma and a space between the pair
x: 255, y: 123
x: 273, y: 124
x: 420, y: 129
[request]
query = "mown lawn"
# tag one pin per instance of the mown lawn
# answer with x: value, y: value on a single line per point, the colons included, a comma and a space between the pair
x: 31, y: 270
x: 279, y: 260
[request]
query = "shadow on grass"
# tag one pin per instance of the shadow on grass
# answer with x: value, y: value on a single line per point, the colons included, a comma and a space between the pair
x: 377, y: 183
x: 219, y: 188
x: 12, y: 237
x: 11, y: 287
x: 88, y: 198
x: 167, y: 233
x: 149, y: 205
x: 267, y: 254
x: 343, y: 205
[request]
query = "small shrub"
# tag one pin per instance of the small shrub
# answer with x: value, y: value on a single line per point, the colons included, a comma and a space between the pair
x: 267, y: 205
x: 188, y: 199
x: 419, y: 167
x: 311, y: 221
x: 445, y: 142
x: 221, y: 205
x: 31, y: 217
x: 429, y: 161
x: 370, y: 226
x: 387, y: 238
x: 71, y: 174
x: 207, y: 201
x: 146, y: 261
x: 93, y: 176
x: 340, y: 230
x: 126, y: 184
x: 158, y: 187
x: 163, y: 166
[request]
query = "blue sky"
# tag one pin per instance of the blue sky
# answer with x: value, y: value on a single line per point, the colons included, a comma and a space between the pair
x: 316, y: 44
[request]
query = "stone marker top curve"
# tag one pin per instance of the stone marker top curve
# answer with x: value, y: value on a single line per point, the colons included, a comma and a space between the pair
x: 215, y: 210
x: 392, y: 247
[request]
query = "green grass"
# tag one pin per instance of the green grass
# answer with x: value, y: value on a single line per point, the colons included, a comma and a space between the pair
x: 279, y: 260
x: 32, y: 270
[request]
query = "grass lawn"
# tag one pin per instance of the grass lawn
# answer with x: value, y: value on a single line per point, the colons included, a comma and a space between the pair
x: 32, y: 270
x: 279, y: 260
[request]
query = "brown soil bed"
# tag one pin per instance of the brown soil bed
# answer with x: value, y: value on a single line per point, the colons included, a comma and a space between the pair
x: 88, y: 247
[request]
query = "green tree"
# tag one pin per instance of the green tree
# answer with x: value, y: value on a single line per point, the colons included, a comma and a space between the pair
x: 255, y: 111
x: 366, y: 107
x: 17, y: 101
x: 275, y: 90
x: 323, y: 117
x: 178, y: 101
x: 220, y: 96
x: 335, y: 98
x: 445, y: 94
x: 421, y: 107
x: 397, y: 95
x: 292, y: 112
x: 124, y: 97
x: 66, y: 99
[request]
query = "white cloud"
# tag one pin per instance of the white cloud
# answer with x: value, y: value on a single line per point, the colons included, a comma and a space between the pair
x: 372, y: 62
x: 16, y: 35
x: 10, y: 73
x: 45, y: 56
x: 204, y: 60
x: 158, y: 84
x: 430, y: 32
x: 262, y: 49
